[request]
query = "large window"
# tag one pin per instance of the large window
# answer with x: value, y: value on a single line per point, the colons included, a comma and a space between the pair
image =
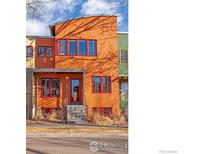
x: 29, y: 51
x: 45, y: 52
x: 101, y: 84
x: 92, y: 51
x: 77, y: 47
x: 62, y: 47
x: 123, y: 58
x: 72, y: 47
x: 82, y: 49
x: 50, y: 87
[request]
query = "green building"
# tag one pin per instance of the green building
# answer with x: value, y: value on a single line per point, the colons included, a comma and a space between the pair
x: 123, y: 69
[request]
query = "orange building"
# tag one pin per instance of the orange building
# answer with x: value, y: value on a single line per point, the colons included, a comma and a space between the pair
x: 77, y: 65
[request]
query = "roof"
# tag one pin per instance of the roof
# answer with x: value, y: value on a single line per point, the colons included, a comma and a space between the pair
x: 56, y: 70
x: 38, y: 36
x: 126, y: 33
x: 76, y: 18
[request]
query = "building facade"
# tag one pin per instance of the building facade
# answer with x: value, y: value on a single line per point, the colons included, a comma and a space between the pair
x: 77, y: 65
x: 123, y: 69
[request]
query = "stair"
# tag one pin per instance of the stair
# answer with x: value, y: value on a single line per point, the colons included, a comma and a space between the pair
x: 76, y: 114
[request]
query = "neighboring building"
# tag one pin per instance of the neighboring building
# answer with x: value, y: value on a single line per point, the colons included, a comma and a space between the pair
x: 77, y: 66
x: 30, y: 64
x: 123, y: 69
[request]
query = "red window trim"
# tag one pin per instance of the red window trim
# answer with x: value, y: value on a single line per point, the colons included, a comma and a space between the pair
x: 50, y: 88
x: 77, y: 50
x: 95, y: 48
x: 28, y: 46
x: 80, y: 86
x: 121, y: 56
x: 45, y: 54
x: 66, y: 48
x: 101, y: 85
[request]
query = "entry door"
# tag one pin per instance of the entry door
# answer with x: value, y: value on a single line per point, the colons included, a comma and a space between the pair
x: 75, y: 93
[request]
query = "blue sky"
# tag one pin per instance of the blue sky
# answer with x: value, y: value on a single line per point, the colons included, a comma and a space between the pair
x: 54, y: 11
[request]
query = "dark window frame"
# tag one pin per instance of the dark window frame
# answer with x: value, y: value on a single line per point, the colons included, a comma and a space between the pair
x: 67, y: 53
x: 45, y: 52
x: 50, y: 88
x: 95, y: 47
x: 101, y: 85
x: 68, y: 47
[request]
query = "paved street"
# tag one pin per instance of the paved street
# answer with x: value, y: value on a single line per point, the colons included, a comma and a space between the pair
x: 75, y: 143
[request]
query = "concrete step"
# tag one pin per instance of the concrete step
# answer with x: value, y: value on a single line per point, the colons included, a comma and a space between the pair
x: 76, y: 114
x: 78, y: 122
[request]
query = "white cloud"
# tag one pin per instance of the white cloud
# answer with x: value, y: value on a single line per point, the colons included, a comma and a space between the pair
x: 100, y: 7
x: 47, y: 14
x: 36, y: 27
x: 54, y: 10
x: 103, y: 7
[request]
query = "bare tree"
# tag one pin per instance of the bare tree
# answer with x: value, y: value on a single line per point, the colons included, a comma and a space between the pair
x: 34, y: 8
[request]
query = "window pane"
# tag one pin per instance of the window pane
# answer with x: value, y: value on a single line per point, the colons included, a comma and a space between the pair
x: 41, y: 51
x: 106, y: 84
x: 124, y: 91
x: 55, y: 87
x: 49, y: 52
x: 72, y: 47
x: 82, y: 47
x: 123, y: 56
x: 75, y: 85
x: 96, y: 84
x: 92, y: 48
x: 62, y: 47
x: 29, y: 51
x: 45, y: 87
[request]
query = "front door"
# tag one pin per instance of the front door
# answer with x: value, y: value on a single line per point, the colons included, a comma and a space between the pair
x: 75, y: 92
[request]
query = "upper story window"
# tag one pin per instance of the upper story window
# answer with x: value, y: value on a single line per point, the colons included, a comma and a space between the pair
x: 72, y: 47
x: 123, y: 57
x: 92, y: 48
x: 50, y: 87
x: 101, y: 84
x: 62, y: 47
x: 29, y: 51
x: 41, y: 51
x: 49, y: 52
x: 46, y: 52
x: 81, y: 47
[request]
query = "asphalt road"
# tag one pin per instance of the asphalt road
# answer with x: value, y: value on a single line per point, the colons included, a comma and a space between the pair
x: 77, y: 144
